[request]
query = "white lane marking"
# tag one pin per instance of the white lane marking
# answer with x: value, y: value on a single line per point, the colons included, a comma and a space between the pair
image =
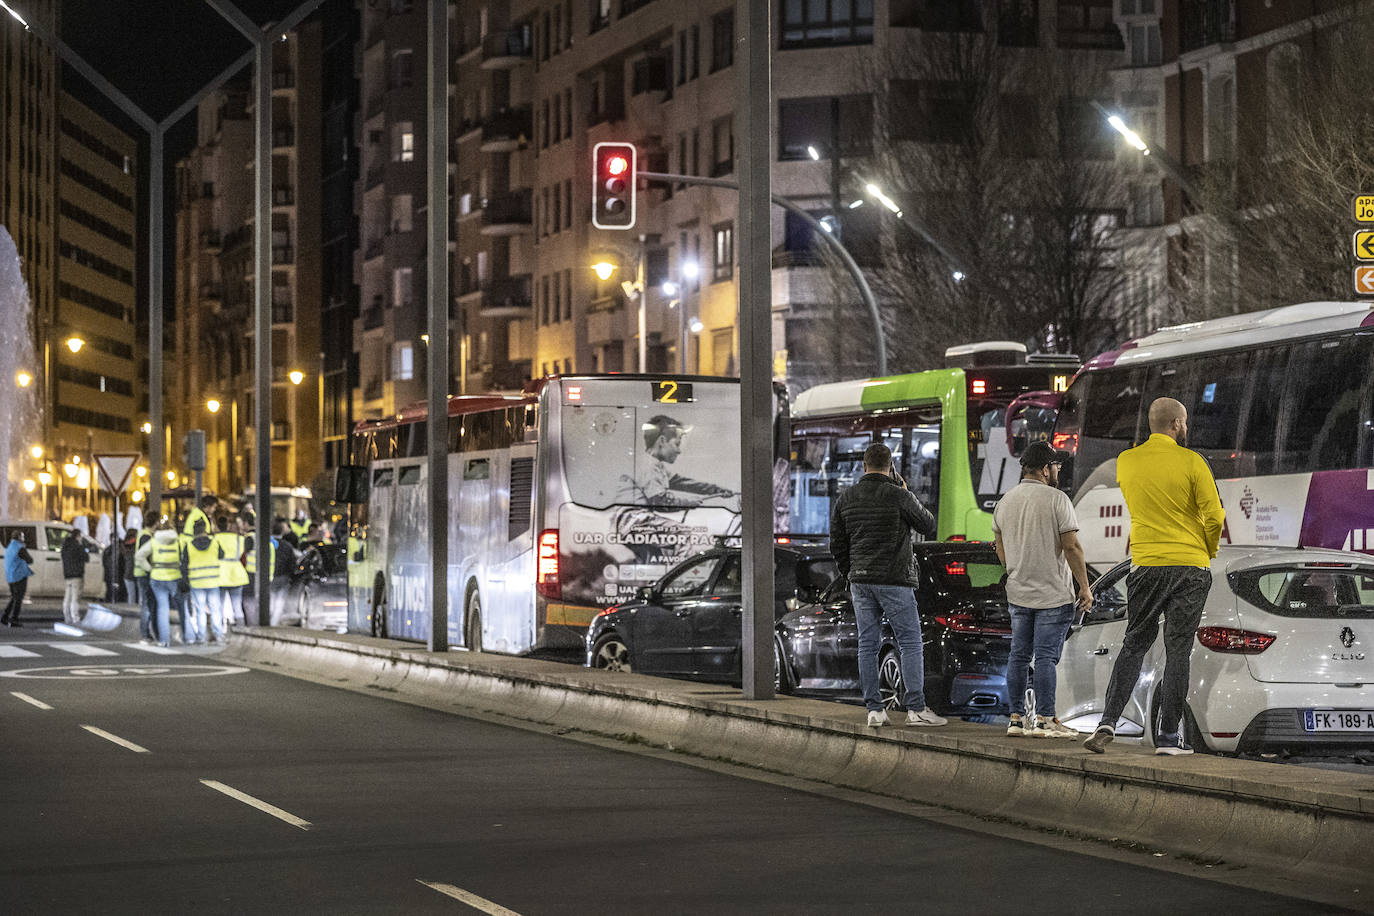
x: 16, y: 652
x: 472, y: 900
x: 261, y: 805
x: 116, y: 739
x: 80, y: 648
x: 150, y: 647
x: 30, y: 700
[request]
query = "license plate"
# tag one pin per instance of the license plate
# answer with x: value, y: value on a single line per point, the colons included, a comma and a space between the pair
x: 1338, y: 720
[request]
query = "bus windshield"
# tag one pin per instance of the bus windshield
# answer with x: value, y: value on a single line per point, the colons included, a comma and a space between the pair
x: 993, y: 464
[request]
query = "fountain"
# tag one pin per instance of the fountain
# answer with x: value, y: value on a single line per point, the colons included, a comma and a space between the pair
x: 20, y: 423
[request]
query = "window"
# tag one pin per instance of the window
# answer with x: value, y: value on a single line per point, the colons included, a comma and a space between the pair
x: 943, y: 15
x: 817, y: 121
x: 694, y: 53
x: 1328, y: 413
x: 682, y: 57
x: 1144, y: 42
x: 1083, y: 132
x: 722, y: 351
x: 567, y: 113
x: 544, y: 301
x: 930, y: 111
x: 567, y: 204
x: 1019, y: 132
x: 724, y: 268
x: 1087, y: 24
x: 722, y: 147
x: 403, y: 142
x: 556, y: 311
x: 722, y: 40
x: 807, y: 23
x: 1018, y: 23
x: 567, y: 298
x: 601, y: 15
x: 402, y: 213
x: 402, y: 361
x: 402, y: 286
x: 690, y: 580
x: 402, y: 69
x: 1269, y: 373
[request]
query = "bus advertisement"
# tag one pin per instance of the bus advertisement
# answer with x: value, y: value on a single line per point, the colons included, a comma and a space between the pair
x: 947, y: 429
x: 562, y: 502
x: 1278, y: 404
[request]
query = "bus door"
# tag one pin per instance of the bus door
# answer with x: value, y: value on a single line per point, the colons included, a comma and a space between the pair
x: 378, y: 542
x: 408, y: 577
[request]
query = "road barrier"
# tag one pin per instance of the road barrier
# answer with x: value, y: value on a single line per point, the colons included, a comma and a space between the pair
x: 1310, y: 825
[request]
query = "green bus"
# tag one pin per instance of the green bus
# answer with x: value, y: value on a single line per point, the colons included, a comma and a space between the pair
x: 947, y: 429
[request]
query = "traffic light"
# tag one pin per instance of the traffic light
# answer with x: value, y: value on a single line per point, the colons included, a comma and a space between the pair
x: 613, y: 185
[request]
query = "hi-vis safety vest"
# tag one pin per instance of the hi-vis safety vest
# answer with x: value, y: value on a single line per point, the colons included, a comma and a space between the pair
x: 252, y: 558
x: 166, y: 559
x: 357, y: 572
x: 203, y: 565
x: 231, y: 571
x: 197, y: 514
x: 143, y: 535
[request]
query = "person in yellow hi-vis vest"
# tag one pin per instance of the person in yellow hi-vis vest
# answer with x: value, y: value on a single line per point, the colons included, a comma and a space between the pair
x: 232, y: 574
x: 202, y: 568
x: 147, y: 602
x: 161, y: 556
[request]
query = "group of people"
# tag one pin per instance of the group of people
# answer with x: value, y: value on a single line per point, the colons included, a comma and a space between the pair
x: 1176, y: 523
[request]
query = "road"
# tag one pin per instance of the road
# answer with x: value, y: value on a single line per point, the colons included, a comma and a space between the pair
x: 239, y: 791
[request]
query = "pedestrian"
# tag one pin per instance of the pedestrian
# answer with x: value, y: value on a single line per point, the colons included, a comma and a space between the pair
x: 74, y: 558
x: 109, y: 567
x: 871, y: 529
x: 161, y: 556
x: 203, y: 572
x: 1176, y: 520
x: 17, y: 572
x: 147, y: 601
x: 200, y: 513
x: 232, y: 574
x: 1035, y: 532
x: 127, y: 546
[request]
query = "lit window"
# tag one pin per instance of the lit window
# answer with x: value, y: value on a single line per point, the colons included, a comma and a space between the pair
x: 402, y: 362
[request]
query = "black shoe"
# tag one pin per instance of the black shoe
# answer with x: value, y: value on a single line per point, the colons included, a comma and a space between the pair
x: 1176, y: 747
x: 15, y: 623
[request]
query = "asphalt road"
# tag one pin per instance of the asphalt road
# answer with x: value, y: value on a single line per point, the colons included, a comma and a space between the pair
x: 325, y: 800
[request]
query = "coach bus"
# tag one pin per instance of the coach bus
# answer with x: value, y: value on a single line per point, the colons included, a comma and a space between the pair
x: 563, y: 501
x: 1278, y: 403
x: 947, y: 429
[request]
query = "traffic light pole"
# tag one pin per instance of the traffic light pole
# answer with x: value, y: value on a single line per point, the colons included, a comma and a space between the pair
x: 865, y: 291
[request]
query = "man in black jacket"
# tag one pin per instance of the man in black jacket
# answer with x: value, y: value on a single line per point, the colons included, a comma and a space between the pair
x: 870, y: 537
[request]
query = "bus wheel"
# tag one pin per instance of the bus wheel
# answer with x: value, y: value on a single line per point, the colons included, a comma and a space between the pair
x: 379, y: 608
x: 472, y: 633
x: 611, y: 654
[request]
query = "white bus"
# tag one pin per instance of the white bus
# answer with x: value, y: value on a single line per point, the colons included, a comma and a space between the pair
x: 562, y: 502
x: 1279, y: 405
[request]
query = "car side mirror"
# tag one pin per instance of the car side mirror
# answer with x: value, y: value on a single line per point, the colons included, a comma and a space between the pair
x: 808, y: 594
x: 645, y: 593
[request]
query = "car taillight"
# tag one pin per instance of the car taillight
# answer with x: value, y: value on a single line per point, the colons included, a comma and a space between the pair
x: 957, y: 537
x: 1229, y: 639
x: 956, y: 568
x: 546, y: 568
x: 1065, y: 442
x: 959, y: 623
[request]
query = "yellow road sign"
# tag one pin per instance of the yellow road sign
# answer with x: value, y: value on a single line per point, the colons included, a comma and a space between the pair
x: 1364, y: 280
x: 1364, y: 245
x: 1362, y: 208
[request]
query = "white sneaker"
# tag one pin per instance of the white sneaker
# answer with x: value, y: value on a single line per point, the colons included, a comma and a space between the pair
x: 877, y: 718
x: 1052, y: 728
x: 924, y: 717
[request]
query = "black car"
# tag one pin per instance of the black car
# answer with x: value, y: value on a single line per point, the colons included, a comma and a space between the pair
x: 965, y: 626
x: 688, y: 623
x: 317, y: 591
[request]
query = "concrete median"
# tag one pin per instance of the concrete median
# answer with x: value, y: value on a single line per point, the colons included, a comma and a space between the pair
x: 1305, y: 824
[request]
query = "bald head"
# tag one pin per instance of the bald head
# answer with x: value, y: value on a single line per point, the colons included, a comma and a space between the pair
x: 1169, y: 417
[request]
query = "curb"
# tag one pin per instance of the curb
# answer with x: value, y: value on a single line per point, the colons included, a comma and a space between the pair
x: 1305, y: 824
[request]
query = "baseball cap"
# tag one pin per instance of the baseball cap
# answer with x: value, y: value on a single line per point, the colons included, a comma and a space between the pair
x: 1040, y: 453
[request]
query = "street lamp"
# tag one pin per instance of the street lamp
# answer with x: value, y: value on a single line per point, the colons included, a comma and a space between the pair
x: 603, y: 269
x: 877, y: 193
x: 69, y: 469
x: 36, y: 452
x: 75, y: 343
x: 44, y: 478
x: 297, y: 376
x: 1131, y: 136
x: 23, y: 379
x: 136, y: 496
x: 30, y: 485
x: 212, y: 405
x: 146, y: 428
x: 141, y: 471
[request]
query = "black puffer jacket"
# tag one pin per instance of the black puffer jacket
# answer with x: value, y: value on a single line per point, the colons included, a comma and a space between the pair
x: 870, y: 531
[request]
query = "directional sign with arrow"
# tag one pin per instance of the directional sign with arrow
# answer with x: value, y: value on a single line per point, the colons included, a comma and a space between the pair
x: 1364, y: 245
x: 1364, y: 280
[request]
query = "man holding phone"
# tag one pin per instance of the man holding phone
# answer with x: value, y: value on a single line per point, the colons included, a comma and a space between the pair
x: 871, y: 529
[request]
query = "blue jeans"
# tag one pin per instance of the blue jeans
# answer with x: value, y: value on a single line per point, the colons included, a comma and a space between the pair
x: 207, y: 605
x: 163, y: 593
x: 898, y: 604
x: 231, y: 597
x: 1039, y: 632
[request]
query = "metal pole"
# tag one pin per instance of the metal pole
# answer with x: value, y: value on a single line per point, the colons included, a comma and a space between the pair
x: 754, y: 90
x: 643, y: 301
x: 262, y: 322
x: 865, y: 291
x: 438, y: 293
x: 156, y: 458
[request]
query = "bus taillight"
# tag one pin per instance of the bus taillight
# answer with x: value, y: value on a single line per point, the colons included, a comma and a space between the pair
x: 546, y: 568
x: 978, y: 386
x: 1067, y: 442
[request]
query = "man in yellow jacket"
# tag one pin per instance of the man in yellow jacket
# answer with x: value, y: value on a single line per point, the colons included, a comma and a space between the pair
x: 1176, y: 520
x: 232, y: 574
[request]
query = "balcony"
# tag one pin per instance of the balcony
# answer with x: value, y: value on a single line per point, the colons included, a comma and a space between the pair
x: 374, y: 249
x: 506, y: 50
x: 283, y: 254
x: 283, y: 79
x: 372, y: 317
x: 508, y: 298
x: 283, y: 138
x: 509, y: 214
x: 283, y: 196
x: 507, y: 130
x: 374, y: 176
x: 243, y: 235
x: 1206, y: 22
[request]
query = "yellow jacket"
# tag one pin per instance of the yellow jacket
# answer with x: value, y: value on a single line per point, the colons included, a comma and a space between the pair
x: 1176, y: 514
x: 231, y: 572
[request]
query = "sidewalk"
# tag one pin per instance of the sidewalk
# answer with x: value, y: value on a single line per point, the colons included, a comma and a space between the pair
x: 1310, y: 824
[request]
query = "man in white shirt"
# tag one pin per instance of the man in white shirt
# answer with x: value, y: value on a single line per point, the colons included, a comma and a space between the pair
x: 1036, y: 535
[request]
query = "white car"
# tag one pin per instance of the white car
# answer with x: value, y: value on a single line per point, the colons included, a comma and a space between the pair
x: 44, y: 541
x: 1284, y: 657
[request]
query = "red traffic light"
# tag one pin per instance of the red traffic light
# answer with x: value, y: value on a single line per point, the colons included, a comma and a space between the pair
x: 613, y: 185
x: 617, y: 165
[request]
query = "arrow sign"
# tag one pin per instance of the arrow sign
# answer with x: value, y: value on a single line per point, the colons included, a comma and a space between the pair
x: 1364, y: 245
x: 115, y: 470
x: 1364, y: 280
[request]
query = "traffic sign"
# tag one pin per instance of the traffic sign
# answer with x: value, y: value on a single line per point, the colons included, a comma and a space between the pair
x: 115, y: 470
x: 1364, y: 280
x: 1364, y: 245
x: 1362, y: 208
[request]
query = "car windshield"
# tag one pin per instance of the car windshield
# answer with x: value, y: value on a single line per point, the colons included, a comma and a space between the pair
x: 1336, y: 591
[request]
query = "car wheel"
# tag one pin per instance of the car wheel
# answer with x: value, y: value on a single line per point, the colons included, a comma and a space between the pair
x: 782, y: 674
x: 472, y: 634
x: 303, y: 608
x: 890, y: 686
x: 379, y: 608
x: 611, y: 654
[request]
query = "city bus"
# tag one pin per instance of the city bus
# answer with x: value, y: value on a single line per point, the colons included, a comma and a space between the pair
x: 1278, y: 403
x: 947, y: 429
x: 563, y: 500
